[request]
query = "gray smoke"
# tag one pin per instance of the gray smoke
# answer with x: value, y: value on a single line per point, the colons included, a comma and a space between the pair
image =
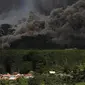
x: 45, y: 6
x: 14, y: 10
x: 63, y: 24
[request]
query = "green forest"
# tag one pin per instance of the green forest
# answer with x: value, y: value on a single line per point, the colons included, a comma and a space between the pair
x: 68, y: 61
x: 39, y: 60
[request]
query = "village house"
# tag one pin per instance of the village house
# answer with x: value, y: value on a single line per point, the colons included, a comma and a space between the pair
x: 15, y: 76
x: 27, y: 76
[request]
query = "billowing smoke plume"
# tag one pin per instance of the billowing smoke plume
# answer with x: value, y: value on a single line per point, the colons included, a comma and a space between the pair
x: 46, y: 6
x: 64, y: 27
x: 13, y: 10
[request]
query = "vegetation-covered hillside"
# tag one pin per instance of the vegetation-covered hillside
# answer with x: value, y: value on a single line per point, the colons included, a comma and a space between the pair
x: 69, y: 65
x: 39, y: 60
x: 62, y: 28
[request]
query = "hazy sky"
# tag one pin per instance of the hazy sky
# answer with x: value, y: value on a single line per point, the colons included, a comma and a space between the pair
x: 13, y: 10
x: 8, y: 4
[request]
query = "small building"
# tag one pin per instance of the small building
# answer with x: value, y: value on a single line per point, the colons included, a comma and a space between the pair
x: 6, y: 76
x: 52, y: 72
x: 12, y: 77
x: 27, y: 76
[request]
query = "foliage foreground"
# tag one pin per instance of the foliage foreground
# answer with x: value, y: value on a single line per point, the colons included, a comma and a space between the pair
x: 69, y: 65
